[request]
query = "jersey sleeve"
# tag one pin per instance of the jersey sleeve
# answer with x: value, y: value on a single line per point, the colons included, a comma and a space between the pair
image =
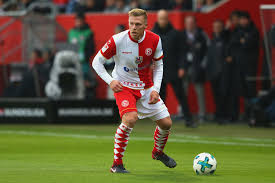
x: 109, y: 49
x: 158, y: 53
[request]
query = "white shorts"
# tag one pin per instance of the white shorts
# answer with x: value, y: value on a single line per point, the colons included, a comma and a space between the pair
x: 153, y: 111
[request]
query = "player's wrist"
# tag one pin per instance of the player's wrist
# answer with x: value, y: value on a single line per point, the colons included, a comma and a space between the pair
x: 155, y: 89
x: 110, y: 81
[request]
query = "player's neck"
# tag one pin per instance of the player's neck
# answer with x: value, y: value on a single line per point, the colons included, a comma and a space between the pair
x: 137, y: 38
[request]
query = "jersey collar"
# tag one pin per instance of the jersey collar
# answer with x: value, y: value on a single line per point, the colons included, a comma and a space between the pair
x: 139, y: 41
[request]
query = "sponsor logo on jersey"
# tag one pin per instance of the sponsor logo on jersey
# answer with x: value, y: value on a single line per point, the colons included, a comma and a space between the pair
x: 125, y: 103
x: 126, y: 69
x: 139, y: 60
x: 148, y: 51
x: 134, y: 85
x: 127, y: 52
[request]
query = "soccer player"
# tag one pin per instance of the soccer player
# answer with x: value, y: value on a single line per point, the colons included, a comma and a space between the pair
x: 136, y: 94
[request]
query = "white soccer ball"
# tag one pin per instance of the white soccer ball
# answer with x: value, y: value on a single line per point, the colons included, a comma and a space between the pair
x: 204, y: 164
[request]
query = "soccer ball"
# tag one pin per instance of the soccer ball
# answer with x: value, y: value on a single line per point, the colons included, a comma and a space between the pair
x: 204, y: 164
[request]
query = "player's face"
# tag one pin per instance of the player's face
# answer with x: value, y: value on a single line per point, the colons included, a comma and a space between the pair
x: 137, y: 25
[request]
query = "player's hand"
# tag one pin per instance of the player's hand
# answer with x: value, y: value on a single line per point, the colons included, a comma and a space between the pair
x: 180, y: 73
x: 116, y: 86
x: 154, y: 97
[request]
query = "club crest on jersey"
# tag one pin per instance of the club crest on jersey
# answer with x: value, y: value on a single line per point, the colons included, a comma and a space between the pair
x: 148, y: 51
x: 139, y: 60
x: 125, y: 103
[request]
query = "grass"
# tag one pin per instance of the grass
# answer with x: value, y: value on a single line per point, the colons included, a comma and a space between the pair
x: 84, y: 154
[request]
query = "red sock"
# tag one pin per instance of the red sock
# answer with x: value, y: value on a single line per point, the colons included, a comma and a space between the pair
x: 160, y: 137
x: 121, y: 141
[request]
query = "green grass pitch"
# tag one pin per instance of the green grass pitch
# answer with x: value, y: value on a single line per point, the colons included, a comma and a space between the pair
x: 84, y: 154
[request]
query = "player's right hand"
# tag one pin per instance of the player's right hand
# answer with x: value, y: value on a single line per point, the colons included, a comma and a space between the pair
x: 116, y: 86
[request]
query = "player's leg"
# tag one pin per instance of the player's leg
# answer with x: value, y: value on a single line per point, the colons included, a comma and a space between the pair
x: 126, y: 102
x: 162, y: 131
x: 121, y: 140
x: 159, y: 113
x: 161, y: 134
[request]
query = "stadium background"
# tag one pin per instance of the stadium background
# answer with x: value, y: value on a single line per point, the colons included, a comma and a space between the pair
x: 45, y: 153
x: 103, y: 26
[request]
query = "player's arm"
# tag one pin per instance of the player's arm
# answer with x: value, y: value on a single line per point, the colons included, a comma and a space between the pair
x: 158, y: 67
x: 157, y: 73
x: 100, y: 59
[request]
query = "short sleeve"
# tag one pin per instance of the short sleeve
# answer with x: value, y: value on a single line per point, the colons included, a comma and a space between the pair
x: 158, y: 53
x: 109, y: 49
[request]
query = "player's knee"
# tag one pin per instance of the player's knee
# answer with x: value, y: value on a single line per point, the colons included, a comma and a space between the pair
x: 130, y: 119
x: 165, y: 123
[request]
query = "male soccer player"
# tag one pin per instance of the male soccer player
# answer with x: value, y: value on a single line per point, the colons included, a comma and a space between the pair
x: 137, y: 96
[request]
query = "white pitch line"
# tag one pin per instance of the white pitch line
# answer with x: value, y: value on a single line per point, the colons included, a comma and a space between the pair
x: 172, y: 139
x: 228, y: 138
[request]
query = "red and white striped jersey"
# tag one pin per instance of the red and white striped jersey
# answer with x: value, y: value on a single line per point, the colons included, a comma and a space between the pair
x: 133, y: 58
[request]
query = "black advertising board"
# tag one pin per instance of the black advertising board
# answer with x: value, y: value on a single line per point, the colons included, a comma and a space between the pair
x: 41, y: 110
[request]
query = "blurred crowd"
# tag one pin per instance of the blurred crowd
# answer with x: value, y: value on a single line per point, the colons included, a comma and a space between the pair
x: 228, y: 60
x: 112, y: 6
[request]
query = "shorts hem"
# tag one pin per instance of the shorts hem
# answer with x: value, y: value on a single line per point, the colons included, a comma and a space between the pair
x: 127, y: 110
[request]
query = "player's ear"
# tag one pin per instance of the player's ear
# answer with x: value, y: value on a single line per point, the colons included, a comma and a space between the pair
x: 146, y: 25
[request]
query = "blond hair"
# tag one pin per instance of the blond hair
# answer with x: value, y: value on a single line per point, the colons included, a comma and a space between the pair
x: 136, y: 12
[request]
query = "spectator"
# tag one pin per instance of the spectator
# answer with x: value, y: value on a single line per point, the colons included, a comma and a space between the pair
x: 34, y: 79
x: 87, y: 6
x: 120, y: 7
x: 194, y: 52
x: 36, y: 58
x: 263, y: 110
x: 166, y: 5
x: 2, y: 2
x: 83, y: 36
x: 233, y: 21
x: 119, y: 28
x: 72, y: 6
x: 182, y: 5
x: 243, y: 57
x: 134, y: 4
x: 199, y: 5
x: 230, y: 78
x: 214, y: 67
x: 110, y: 6
x: 249, y: 39
x: 48, y: 57
x: 209, y: 4
x: 146, y: 5
x: 173, y: 68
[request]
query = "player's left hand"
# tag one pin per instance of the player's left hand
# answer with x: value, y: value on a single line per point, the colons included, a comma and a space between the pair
x: 154, y: 97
